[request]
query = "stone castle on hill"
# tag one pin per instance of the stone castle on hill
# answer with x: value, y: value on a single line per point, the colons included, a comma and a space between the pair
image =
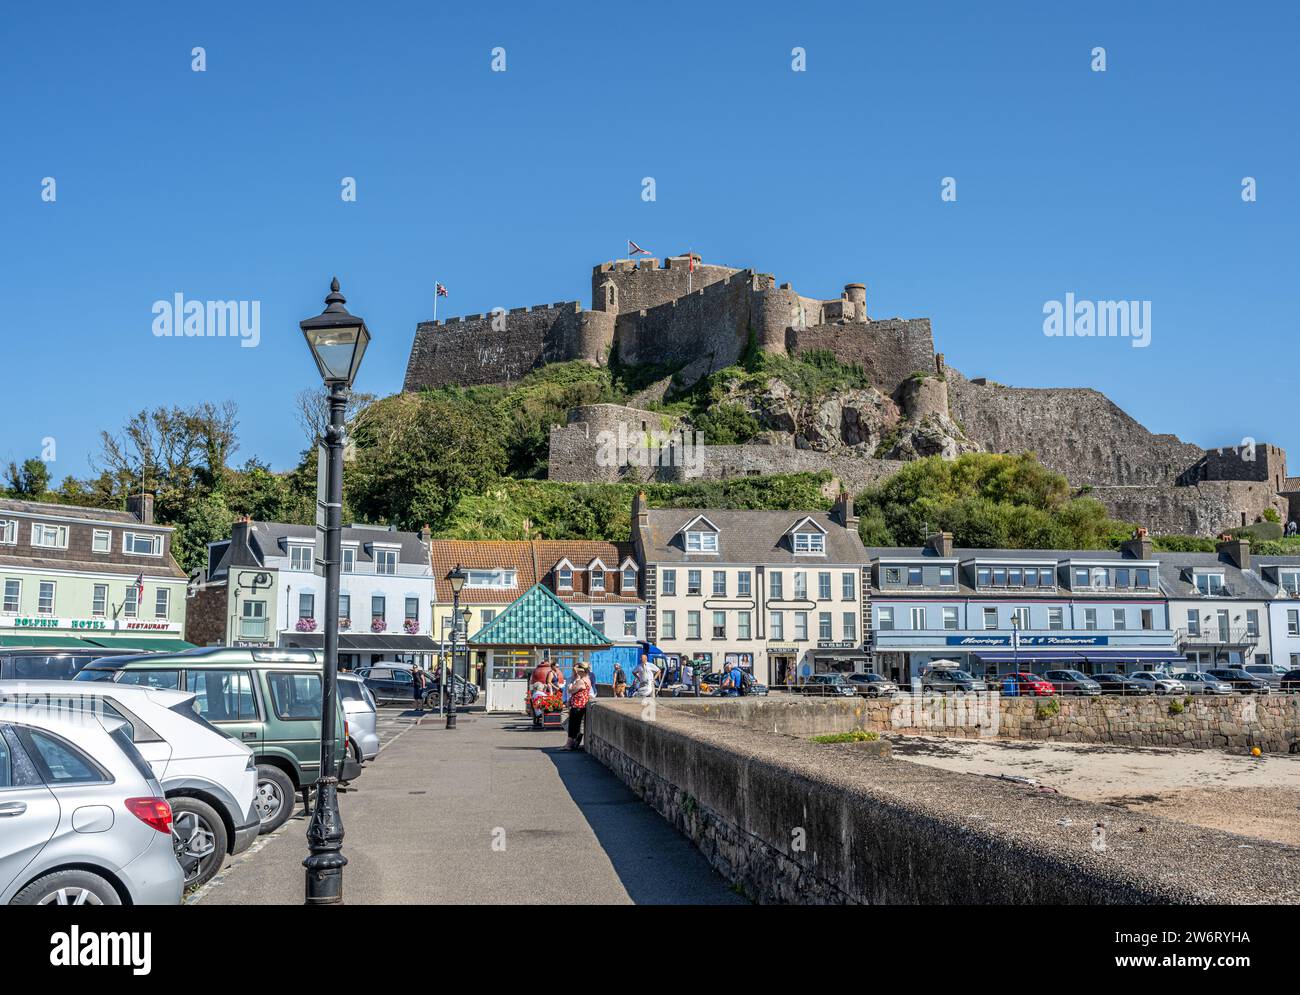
x: 693, y: 318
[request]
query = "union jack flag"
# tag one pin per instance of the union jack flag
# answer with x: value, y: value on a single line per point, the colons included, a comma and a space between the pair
x: 633, y: 248
x: 139, y: 587
x: 440, y: 289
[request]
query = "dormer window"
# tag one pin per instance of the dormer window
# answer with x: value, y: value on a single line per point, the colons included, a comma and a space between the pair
x: 300, y: 556
x: 385, y: 561
x: 564, y: 578
x: 809, y: 542
x: 701, y: 542
x: 629, y: 579
x: 597, y: 580
x: 497, y: 579
x: 50, y: 536
x: 1289, y: 581
x: 140, y: 544
x: 1210, y: 584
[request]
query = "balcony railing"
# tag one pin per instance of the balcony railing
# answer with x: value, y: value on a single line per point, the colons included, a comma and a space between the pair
x: 253, y: 628
x: 1212, y: 635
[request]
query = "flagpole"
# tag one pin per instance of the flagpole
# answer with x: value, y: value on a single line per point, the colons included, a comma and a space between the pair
x: 435, y: 302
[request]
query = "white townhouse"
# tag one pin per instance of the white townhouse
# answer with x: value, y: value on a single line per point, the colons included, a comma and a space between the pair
x: 260, y: 590
x: 1219, y: 605
x: 780, y: 593
x: 1280, y: 576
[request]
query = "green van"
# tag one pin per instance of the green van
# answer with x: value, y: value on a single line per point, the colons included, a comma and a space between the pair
x: 268, y: 699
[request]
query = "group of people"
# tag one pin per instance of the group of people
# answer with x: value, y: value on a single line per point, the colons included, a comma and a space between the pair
x: 549, y: 678
x: 648, y: 677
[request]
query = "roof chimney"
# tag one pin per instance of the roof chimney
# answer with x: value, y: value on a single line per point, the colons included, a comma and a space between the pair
x: 1236, y: 550
x: 141, y: 506
x: 940, y: 542
x: 1139, y: 547
x: 843, y: 511
x: 426, y: 534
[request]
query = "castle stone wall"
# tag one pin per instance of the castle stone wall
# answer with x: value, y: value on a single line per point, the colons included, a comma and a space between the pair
x: 470, y: 351
x: 643, y: 283
x: 888, y: 350
x: 711, y: 324
x: 1205, y: 509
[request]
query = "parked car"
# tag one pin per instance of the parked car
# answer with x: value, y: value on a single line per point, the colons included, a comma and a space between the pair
x: 1198, y: 683
x: 362, y: 711
x: 945, y: 679
x: 1160, y: 683
x: 1123, y: 684
x: 823, y: 685
x: 209, y: 778
x: 873, y: 685
x: 1290, y: 681
x: 1240, y: 680
x: 33, y: 664
x: 1023, y: 684
x: 1271, y: 672
x: 83, y: 820
x: 1073, y: 682
x: 268, y: 699
x: 391, y: 683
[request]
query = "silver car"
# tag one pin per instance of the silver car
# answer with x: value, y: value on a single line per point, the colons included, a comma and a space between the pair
x: 83, y: 821
x: 1197, y: 683
x: 1159, y: 683
x: 362, y: 713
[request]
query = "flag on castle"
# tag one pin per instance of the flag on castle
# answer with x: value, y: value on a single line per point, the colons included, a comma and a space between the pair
x: 633, y: 248
x: 439, y: 289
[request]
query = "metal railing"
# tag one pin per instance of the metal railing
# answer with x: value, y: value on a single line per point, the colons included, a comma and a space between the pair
x: 1213, y: 635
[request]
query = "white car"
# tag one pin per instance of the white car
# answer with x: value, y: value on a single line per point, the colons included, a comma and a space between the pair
x: 209, y: 778
x: 82, y: 818
x: 1160, y: 683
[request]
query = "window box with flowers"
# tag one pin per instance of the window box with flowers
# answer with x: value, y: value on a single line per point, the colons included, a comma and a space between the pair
x: 547, y: 706
x: 345, y: 623
x: 411, y: 626
x: 378, y: 624
x: 306, y: 625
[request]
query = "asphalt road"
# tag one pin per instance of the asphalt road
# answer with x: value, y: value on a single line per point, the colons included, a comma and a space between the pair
x: 493, y: 812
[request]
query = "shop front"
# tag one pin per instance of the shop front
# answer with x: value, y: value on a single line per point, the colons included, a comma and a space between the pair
x: 840, y: 658
x: 535, y: 630
x: 370, y: 648
x: 56, y: 632
x: 781, y: 664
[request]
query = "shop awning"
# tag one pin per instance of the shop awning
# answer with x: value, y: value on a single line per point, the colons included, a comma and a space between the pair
x: 47, y: 642
x: 155, y: 644
x: 363, y: 642
x: 1103, y: 657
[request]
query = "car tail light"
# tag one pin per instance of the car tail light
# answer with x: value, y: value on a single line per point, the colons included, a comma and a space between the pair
x: 153, y: 812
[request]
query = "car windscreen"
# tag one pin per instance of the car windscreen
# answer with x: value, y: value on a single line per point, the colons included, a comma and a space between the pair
x: 45, y: 667
x: 956, y: 675
x: 95, y: 675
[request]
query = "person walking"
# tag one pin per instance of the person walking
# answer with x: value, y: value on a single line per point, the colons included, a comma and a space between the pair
x: 417, y: 687
x: 620, y: 681
x: 579, y: 695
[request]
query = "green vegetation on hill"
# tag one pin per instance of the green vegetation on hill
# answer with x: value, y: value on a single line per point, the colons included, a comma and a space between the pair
x: 985, y: 500
x: 525, y: 509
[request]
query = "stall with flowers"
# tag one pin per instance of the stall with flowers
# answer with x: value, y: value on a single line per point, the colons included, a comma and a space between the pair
x: 533, y: 630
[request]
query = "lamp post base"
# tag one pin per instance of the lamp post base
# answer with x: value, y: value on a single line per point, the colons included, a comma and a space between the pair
x: 451, y: 720
x: 324, y: 885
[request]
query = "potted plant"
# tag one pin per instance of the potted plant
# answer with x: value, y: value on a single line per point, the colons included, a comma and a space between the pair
x: 412, y: 626
x: 306, y: 625
x: 549, y: 705
x: 377, y: 624
x: 345, y: 623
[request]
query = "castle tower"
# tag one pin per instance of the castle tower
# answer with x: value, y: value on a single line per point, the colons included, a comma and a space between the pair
x: 857, y: 293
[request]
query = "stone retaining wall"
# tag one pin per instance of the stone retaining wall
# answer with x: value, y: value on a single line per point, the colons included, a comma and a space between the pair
x: 791, y: 821
x: 1235, y: 723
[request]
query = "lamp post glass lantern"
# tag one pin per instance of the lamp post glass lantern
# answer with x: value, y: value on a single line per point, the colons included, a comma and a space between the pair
x: 457, y: 581
x: 337, y: 341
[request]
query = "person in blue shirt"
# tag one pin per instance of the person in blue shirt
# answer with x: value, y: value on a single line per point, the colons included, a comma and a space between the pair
x: 732, y: 681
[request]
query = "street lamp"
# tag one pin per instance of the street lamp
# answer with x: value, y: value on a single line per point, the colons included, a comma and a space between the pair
x: 337, y: 340
x: 457, y: 580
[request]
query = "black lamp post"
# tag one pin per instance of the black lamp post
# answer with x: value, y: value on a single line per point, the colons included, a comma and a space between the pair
x: 457, y: 580
x: 338, y: 340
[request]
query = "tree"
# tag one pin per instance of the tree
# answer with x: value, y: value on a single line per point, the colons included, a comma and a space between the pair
x: 29, y: 481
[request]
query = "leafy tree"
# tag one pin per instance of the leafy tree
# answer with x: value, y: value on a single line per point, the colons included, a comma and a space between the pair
x: 29, y: 481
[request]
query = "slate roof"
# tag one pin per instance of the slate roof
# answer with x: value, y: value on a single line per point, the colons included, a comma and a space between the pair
x: 534, y: 562
x: 538, y: 618
x: 1177, y: 581
x: 264, y: 541
x: 76, y: 512
x: 748, y: 537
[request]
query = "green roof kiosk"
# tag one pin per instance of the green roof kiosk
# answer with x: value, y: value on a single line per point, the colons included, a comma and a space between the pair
x: 535, y: 628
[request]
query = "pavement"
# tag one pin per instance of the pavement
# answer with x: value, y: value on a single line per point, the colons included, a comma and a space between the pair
x: 493, y: 812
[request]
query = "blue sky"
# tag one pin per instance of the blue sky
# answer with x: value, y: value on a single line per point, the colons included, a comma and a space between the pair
x: 508, y: 187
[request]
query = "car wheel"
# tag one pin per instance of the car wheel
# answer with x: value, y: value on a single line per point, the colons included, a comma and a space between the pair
x: 431, y: 700
x: 356, y: 749
x: 68, y: 888
x: 198, y: 834
x: 274, y: 801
